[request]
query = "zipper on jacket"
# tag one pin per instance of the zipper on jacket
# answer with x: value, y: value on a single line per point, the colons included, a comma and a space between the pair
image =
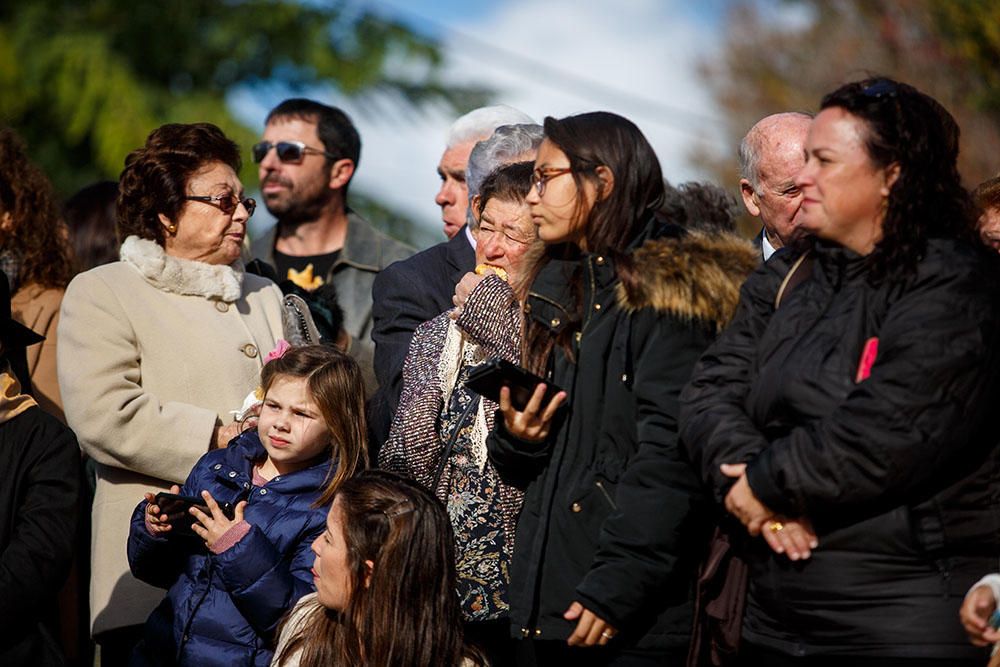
x: 607, y: 496
x: 186, y: 635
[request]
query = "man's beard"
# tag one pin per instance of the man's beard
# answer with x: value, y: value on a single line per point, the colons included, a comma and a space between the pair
x: 294, y: 208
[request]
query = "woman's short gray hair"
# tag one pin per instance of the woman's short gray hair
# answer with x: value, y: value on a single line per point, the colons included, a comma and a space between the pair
x: 509, y: 143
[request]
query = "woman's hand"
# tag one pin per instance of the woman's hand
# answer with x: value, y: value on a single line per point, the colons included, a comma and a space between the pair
x: 211, y: 528
x: 156, y: 522
x: 223, y: 434
x: 463, y: 289
x: 741, y: 502
x: 975, y: 614
x: 591, y: 629
x: 793, y: 537
x: 532, y: 424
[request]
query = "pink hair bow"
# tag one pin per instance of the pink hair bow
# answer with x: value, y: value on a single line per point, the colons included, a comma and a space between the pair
x: 279, y: 350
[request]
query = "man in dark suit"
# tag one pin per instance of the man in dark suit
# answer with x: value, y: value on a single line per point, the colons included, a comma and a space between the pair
x: 771, y: 155
x: 410, y: 292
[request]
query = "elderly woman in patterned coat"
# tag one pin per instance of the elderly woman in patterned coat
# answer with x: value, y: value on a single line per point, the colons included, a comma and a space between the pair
x: 436, y: 408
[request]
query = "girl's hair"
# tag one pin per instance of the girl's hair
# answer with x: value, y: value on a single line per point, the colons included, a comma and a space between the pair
x: 910, y: 129
x: 335, y: 383
x: 37, y: 237
x: 987, y: 194
x: 404, y: 610
x: 615, y: 220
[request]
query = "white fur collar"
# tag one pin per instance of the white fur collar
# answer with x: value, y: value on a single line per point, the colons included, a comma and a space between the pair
x: 183, y: 276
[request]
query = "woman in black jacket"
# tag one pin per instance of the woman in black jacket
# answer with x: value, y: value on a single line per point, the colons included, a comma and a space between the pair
x: 620, y: 308
x: 843, y: 415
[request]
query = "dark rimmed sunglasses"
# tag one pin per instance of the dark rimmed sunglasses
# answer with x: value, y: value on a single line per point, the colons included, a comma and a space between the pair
x: 226, y: 203
x: 287, y: 151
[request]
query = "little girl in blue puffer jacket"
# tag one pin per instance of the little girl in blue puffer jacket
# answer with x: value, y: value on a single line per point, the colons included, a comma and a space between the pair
x: 232, y: 580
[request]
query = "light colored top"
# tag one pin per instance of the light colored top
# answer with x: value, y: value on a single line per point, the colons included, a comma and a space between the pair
x: 154, y: 351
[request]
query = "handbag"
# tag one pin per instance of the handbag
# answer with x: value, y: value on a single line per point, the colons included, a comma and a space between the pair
x: 720, y: 597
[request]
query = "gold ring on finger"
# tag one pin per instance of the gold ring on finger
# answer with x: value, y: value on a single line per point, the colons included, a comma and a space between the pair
x: 607, y: 634
x: 776, y: 527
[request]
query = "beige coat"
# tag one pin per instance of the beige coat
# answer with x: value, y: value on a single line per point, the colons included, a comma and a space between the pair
x: 37, y: 308
x: 153, y: 353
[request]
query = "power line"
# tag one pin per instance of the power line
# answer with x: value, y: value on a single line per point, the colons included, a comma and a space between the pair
x: 584, y: 87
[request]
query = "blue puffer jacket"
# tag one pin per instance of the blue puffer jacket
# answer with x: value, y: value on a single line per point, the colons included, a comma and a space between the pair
x: 223, y: 609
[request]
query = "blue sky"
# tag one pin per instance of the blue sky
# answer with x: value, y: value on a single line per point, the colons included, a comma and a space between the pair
x: 638, y: 58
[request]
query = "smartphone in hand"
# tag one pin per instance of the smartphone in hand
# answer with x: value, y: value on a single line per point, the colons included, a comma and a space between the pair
x: 487, y: 378
x: 177, y: 508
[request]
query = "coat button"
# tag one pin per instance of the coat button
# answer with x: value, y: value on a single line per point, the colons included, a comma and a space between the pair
x: 246, y: 485
x: 232, y: 473
x: 250, y: 350
x: 222, y: 306
x: 555, y: 322
x: 538, y: 633
x: 216, y: 466
x: 597, y: 306
x: 576, y: 507
x: 527, y: 307
x: 263, y: 492
x: 599, y: 261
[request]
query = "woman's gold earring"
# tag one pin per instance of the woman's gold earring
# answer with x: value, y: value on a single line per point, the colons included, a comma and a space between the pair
x: 172, y: 229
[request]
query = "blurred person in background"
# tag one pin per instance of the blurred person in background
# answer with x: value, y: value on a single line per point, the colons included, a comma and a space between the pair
x: 770, y: 156
x: 439, y: 435
x: 39, y: 508
x: 846, y: 422
x: 90, y: 217
x: 987, y: 198
x: 306, y: 160
x: 35, y: 254
x: 157, y: 349
x: 415, y: 290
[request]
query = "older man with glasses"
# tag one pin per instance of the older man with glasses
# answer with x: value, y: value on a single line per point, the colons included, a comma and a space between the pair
x: 306, y: 159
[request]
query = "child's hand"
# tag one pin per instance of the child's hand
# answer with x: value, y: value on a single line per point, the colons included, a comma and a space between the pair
x: 156, y: 522
x: 975, y: 614
x: 211, y: 528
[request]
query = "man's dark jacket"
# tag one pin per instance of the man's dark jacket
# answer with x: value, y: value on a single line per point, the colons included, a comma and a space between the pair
x: 405, y: 295
x: 39, y: 510
x: 611, y: 516
x: 898, y: 471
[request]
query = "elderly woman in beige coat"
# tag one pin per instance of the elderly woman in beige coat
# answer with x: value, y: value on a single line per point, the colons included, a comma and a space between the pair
x: 156, y: 350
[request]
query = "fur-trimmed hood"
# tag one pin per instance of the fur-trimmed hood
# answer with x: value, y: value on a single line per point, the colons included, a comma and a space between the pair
x: 217, y: 282
x: 694, y: 276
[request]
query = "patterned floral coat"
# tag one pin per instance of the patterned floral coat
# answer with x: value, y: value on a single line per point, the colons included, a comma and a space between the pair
x: 483, y: 509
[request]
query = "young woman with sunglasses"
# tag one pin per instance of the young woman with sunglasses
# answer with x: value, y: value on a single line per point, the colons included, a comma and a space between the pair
x: 619, y: 309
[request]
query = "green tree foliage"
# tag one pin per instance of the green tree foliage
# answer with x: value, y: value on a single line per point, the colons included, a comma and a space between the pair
x: 949, y: 49
x: 85, y: 82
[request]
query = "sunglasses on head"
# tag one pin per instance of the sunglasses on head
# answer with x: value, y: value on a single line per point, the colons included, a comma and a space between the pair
x: 287, y: 151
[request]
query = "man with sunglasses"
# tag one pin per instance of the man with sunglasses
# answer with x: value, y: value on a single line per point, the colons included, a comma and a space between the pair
x: 307, y: 157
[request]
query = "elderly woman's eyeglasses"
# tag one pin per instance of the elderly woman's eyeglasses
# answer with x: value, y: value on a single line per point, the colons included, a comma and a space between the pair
x: 542, y: 176
x: 226, y: 203
x: 287, y: 151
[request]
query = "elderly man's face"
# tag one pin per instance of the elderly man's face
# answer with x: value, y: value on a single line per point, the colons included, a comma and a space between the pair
x: 989, y: 228
x: 453, y: 197
x: 778, y: 201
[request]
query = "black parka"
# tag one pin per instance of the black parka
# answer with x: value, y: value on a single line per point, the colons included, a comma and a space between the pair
x: 611, y: 515
x: 898, y: 471
x: 39, y: 519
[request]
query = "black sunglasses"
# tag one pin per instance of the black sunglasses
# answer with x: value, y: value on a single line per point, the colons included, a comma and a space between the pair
x: 226, y: 203
x: 288, y: 151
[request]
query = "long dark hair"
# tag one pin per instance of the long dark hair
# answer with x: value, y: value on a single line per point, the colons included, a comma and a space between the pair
x: 911, y: 129
x: 37, y: 237
x: 403, y: 611
x: 592, y: 140
x: 336, y: 386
